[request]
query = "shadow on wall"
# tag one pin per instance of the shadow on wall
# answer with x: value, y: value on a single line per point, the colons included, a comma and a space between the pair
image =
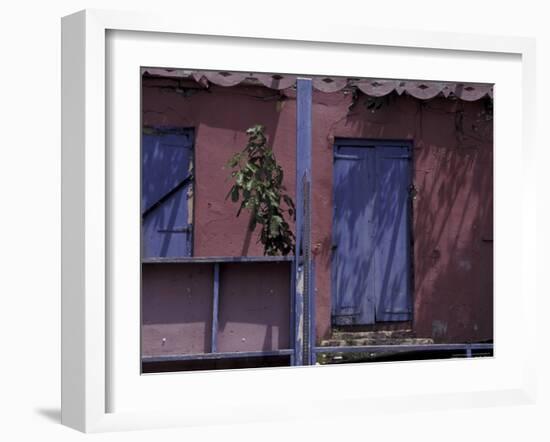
x: 453, y: 243
x: 221, y: 117
x: 397, y: 121
x: 452, y: 211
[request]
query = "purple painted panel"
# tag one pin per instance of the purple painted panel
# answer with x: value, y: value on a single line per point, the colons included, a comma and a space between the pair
x: 176, y: 308
x: 392, y: 256
x: 353, y: 232
x: 254, y: 307
x: 165, y: 164
x: 166, y: 230
x: 166, y: 180
x: 371, y: 250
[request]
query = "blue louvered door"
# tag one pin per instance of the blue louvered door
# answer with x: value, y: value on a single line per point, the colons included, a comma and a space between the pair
x: 371, y: 234
x: 166, y: 193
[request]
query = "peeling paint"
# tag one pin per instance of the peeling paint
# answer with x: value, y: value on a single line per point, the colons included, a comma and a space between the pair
x: 300, y: 285
x: 439, y: 328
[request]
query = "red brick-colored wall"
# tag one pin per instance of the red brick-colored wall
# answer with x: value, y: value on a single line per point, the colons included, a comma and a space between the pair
x: 453, y: 176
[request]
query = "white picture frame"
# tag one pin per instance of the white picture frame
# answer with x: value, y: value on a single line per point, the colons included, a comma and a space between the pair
x: 90, y: 323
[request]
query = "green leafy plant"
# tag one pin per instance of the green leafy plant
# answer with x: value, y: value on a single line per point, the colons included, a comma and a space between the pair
x: 258, y: 185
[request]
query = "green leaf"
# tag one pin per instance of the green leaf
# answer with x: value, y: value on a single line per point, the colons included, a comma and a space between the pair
x: 252, y: 167
x: 239, y: 178
x: 234, y: 161
x: 235, y: 194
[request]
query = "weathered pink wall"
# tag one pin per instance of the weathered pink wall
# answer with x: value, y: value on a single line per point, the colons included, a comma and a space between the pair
x: 452, y: 212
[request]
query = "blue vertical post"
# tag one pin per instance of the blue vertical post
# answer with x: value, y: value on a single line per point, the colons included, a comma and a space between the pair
x: 312, y: 322
x: 292, y: 307
x: 303, y: 174
x: 215, y: 304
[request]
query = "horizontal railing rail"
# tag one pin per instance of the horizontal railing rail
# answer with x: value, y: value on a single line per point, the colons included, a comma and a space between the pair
x: 402, y: 347
x: 219, y: 355
x: 217, y: 259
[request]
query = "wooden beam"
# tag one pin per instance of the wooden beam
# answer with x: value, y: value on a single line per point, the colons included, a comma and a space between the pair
x: 303, y: 173
x: 218, y: 259
x: 402, y: 347
x: 215, y: 304
x: 210, y: 356
x: 312, y: 322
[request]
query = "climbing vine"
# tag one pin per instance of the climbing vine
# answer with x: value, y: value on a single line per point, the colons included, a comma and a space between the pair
x: 258, y: 185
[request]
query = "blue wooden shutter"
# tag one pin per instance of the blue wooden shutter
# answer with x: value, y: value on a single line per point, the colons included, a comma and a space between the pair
x: 353, y: 231
x: 166, y: 207
x: 371, y: 233
x: 392, y: 245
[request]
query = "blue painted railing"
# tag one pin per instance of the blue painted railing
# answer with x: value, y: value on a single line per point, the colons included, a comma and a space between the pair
x: 214, y: 354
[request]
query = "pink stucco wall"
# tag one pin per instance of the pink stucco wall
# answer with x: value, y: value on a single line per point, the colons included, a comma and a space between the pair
x: 453, y: 175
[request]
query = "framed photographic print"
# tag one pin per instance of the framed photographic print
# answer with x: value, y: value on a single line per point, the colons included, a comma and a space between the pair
x: 260, y: 221
x: 374, y: 246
